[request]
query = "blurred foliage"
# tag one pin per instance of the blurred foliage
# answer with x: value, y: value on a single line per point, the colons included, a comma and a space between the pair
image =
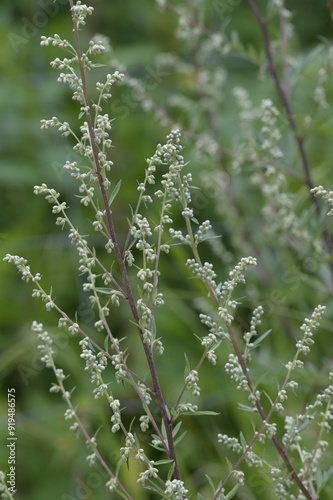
x: 51, y: 461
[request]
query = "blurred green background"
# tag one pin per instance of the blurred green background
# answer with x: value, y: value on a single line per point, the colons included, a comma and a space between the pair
x: 50, y: 460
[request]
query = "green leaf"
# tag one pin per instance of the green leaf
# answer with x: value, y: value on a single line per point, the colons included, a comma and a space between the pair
x: 246, y: 408
x: 162, y: 462
x: 155, y: 488
x: 170, y: 471
x: 188, y: 366
x: 303, y: 425
x: 130, y: 427
x: 203, y: 412
x: 322, y: 477
x: 146, y: 408
x: 268, y: 397
x: 179, y: 438
x: 215, y: 346
x: 176, y: 429
x: 232, y: 492
x: 114, y: 192
x: 107, y: 291
x: 129, y: 381
x: 174, y: 413
x: 156, y: 447
x: 229, y: 464
x: 163, y: 430
x: 209, y: 479
x: 242, y: 440
x: 260, y: 339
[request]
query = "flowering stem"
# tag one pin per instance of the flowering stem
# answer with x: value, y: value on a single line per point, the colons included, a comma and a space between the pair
x: 263, y: 416
x: 325, y: 417
x: 121, y: 260
x: 245, y: 371
x: 66, y: 397
x: 132, y: 378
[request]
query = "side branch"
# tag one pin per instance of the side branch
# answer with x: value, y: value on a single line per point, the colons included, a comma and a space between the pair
x: 294, y: 476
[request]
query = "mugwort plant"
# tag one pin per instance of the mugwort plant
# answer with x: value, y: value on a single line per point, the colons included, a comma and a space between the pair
x: 279, y: 451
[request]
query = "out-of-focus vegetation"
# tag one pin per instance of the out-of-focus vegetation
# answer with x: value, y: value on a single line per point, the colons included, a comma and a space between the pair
x: 51, y: 462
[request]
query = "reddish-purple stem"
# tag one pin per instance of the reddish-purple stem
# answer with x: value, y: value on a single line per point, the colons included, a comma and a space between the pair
x: 121, y: 262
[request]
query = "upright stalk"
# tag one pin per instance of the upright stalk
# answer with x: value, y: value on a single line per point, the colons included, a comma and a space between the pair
x: 170, y: 450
